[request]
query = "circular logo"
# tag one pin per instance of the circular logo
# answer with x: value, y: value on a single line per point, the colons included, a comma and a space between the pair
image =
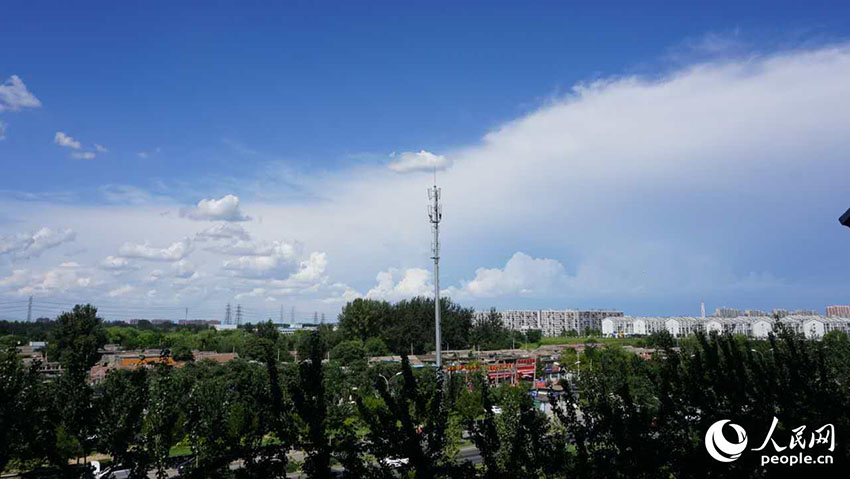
x: 721, y: 449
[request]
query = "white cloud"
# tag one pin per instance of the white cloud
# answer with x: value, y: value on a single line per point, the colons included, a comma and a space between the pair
x: 143, y: 154
x: 66, y: 141
x: 258, y: 266
x: 521, y: 276
x: 183, y: 269
x: 100, y: 148
x: 341, y: 294
x: 117, y: 263
x: 62, y: 279
x: 175, y: 252
x: 83, y: 155
x: 14, y: 95
x: 120, y: 291
x: 628, y: 191
x: 223, y: 231
x: 155, y: 276
x: 312, y: 269
x: 24, y: 245
x: 394, y: 285
x: 223, y: 209
x: 422, y: 160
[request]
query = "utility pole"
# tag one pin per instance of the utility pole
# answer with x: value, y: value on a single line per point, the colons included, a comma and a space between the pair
x: 29, y: 310
x: 435, y: 214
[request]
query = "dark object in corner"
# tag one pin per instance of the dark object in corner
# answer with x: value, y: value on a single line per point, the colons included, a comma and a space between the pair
x: 845, y: 218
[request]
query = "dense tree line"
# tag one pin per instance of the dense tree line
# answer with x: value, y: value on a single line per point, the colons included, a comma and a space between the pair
x: 330, y: 410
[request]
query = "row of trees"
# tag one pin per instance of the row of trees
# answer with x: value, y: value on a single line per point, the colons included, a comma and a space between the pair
x: 625, y: 417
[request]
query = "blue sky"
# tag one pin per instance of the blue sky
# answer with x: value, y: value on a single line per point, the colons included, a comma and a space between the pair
x: 295, y: 110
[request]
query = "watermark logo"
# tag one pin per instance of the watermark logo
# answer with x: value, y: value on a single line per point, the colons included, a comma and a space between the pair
x: 719, y: 447
x: 798, y: 451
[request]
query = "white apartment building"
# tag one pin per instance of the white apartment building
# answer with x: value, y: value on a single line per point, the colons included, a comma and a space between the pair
x: 811, y: 326
x: 551, y: 322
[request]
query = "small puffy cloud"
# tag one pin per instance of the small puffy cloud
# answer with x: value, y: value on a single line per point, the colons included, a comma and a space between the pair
x: 14, y: 95
x: 120, y: 291
x: 223, y: 231
x: 422, y: 160
x: 117, y: 263
x: 183, y: 269
x: 342, y: 293
x: 66, y: 141
x: 155, y: 276
x: 223, y: 209
x: 100, y: 148
x: 278, y: 249
x: 521, y: 276
x: 29, y: 245
x: 83, y: 155
x: 312, y: 269
x: 63, y: 278
x: 258, y: 266
x: 394, y: 284
x: 143, y: 154
x: 175, y: 252
x: 254, y: 293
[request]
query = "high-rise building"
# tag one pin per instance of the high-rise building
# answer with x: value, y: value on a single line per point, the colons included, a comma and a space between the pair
x: 727, y: 313
x: 552, y: 322
x: 838, y: 311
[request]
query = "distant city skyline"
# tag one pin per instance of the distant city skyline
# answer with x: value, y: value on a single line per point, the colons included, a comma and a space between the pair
x: 168, y: 156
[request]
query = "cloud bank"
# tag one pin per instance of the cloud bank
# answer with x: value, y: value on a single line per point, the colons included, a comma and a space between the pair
x: 720, y: 181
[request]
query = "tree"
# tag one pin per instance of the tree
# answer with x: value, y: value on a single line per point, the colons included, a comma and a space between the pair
x: 534, y: 335
x: 349, y: 352
x: 308, y: 395
x: 364, y: 318
x: 120, y: 415
x: 26, y: 412
x: 376, y: 347
x: 78, y: 336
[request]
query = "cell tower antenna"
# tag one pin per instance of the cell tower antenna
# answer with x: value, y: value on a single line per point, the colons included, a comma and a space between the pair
x: 29, y: 310
x: 435, y: 214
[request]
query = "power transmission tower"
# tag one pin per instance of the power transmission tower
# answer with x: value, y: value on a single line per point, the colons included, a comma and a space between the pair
x: 29, y: 310
x: 186, y: 315
x: 238, y: 314
x: 315, y: 317
x: 323, y: 318
x: 227, y: 319
x: 292, y: 315
x: 435, y: 214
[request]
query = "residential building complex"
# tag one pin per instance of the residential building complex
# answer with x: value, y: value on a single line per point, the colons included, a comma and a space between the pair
x: 551, y: 322
x: 838, y: 311
x: 812, y: 326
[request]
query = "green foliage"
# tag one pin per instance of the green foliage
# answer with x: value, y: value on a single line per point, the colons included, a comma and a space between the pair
x: 533, y: 335
x: 77, y: 338
x: 349, y: 352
